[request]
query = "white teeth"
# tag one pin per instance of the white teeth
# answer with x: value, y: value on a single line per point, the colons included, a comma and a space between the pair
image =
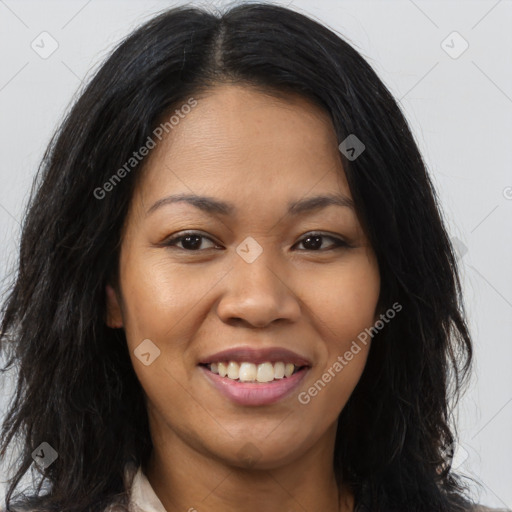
x: 222, y: 368
x: 233, y: 370
x: 278, y: 370
x: 250, y: 372
x: 265, y: 372
x: 247, y: 372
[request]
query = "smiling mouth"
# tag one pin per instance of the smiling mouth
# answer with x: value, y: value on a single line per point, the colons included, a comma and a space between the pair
x: 253, y: 373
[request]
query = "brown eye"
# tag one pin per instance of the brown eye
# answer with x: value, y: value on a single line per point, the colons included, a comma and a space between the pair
x: 190, y: 241
x: 313, y: 242
x: 193, y: 241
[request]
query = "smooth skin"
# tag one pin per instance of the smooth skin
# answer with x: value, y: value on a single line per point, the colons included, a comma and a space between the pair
x: 197, y: 297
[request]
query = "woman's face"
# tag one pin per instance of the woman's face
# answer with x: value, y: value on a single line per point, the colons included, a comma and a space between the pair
x: 251, y: 279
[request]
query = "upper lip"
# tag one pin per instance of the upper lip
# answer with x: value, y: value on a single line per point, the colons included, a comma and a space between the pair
x: 257, y: 356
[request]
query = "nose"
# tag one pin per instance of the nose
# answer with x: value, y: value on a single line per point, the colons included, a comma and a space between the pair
x: 258, y: 294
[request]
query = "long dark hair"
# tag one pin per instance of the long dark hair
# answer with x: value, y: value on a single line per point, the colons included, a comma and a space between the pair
x: 76, y: 389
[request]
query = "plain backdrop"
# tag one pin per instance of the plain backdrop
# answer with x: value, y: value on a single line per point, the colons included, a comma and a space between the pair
x: 455, y: 90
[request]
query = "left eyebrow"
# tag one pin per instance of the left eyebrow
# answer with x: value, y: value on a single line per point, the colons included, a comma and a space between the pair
x: 318, y: 202
x: 216, y: 207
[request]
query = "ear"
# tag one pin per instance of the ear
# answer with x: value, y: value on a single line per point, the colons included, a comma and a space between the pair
x: 114, y: 314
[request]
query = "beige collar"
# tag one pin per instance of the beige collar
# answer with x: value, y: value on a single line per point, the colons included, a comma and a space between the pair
x: 142, y: 496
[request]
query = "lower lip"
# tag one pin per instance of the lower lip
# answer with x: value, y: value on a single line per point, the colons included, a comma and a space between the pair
x: 250, y: 393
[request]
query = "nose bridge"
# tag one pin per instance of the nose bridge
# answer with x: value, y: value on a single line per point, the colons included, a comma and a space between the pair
x: 257, y: 290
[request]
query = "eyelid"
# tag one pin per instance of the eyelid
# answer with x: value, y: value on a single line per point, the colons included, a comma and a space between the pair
x: 339, y: 242
x: 182, y: 234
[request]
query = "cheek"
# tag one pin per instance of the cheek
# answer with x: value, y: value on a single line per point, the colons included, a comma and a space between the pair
x: 159, y: 296
x: 160, y: 305
x: 345, y: 300
x: 346, y: 303
x: 328, y: 391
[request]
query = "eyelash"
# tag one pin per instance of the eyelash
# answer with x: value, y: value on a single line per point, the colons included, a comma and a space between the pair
x: 338, y: 242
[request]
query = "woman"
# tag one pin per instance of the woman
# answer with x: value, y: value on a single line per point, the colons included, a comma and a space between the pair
x: 235, y: 290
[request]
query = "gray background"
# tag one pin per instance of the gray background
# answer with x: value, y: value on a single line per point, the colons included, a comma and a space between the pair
x: 460, y: 110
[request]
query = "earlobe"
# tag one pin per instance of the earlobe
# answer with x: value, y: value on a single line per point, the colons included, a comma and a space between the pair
x: 114, y: 315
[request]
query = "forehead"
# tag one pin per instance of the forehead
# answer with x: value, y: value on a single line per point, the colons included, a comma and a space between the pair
x: 243, y: 144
